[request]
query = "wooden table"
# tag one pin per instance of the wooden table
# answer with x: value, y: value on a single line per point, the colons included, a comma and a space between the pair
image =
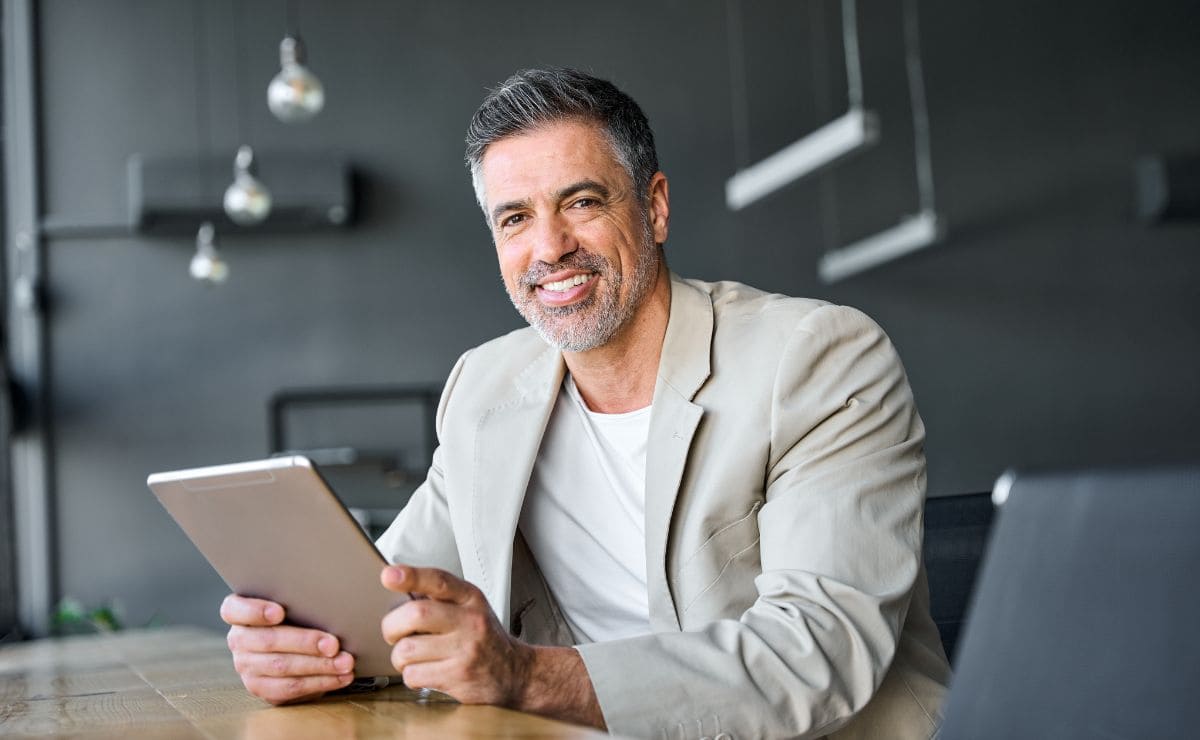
x: 180, y: 683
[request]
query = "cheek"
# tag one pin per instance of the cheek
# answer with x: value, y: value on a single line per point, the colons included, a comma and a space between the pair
x: 623, y: 236
x: 630, y: 252
x: 512, y: 266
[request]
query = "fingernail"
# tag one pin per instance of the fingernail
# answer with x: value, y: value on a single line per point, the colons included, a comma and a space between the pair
x: 400, y: 572
x: 327, y: 646
x: 346, y: 678
x: 273, y: 613
x: 343, y: 662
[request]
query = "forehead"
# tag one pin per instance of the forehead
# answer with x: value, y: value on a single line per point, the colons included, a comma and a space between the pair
x: 546, y: 158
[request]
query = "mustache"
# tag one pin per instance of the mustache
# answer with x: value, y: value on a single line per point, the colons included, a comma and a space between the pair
x: 580, y: 259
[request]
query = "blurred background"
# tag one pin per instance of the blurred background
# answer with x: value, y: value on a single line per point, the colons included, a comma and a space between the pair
x: 1051, y: 325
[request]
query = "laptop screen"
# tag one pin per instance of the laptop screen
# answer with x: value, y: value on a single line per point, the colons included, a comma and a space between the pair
x: 1086, y: 619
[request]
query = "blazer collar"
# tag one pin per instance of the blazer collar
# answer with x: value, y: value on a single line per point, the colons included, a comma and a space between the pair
x: 687, y: 348
x: 542, y: 378
x: 682, y: 370
x: 508, y: 436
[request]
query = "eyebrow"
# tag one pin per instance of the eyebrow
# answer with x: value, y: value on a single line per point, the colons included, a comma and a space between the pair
x: 561, y: 194
x: 576, y: 187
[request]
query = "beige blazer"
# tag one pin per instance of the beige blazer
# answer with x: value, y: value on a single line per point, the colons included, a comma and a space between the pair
x: 784, y: 489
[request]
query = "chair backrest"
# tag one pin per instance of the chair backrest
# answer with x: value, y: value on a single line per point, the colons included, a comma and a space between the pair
x: 956, y: 531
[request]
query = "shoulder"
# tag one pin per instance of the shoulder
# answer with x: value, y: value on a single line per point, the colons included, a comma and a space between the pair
x: 496, y: 371
x: 746, y: 315
x: 507, y: 353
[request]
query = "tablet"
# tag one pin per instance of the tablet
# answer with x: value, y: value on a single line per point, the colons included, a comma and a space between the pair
x: 274, y: 530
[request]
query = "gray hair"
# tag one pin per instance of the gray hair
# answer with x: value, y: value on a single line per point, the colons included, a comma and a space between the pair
x: 536, y: 97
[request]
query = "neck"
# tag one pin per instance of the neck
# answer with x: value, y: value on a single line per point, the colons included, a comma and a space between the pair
x: 620, y: 375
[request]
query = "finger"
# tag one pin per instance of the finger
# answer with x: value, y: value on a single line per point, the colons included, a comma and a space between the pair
x: 422, y: 649
x: 299, y: 688
x: 286, y: 665
x: 253, y: 612
x: 427, y: 675
x: 282, y: 639
x: 431, y: 582
x: 421, y: 615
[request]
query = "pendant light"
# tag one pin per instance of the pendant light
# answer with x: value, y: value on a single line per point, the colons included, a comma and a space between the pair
x: 247, y: 200
x: 295, y: 94
x: 207, y: 265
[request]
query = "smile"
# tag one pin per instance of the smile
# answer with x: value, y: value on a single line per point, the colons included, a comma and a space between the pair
x: 568, y: 290
x: 560, y: 286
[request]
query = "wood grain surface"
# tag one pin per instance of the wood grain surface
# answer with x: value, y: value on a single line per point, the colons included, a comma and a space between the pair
x: 180, y: 683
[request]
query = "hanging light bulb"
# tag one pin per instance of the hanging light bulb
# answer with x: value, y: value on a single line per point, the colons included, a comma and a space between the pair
x: 207, y: 265
x: 247, y: 200
x: 295, y: 94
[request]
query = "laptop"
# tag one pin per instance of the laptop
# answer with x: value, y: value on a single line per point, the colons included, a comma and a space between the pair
x: 1086, y: 619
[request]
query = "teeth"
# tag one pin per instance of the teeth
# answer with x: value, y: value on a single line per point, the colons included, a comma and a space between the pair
x: 571, y: 282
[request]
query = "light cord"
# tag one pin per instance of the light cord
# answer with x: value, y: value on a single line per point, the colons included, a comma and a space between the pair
x: 920, y: 111
x: 739, y: 100
x: 854, y: 81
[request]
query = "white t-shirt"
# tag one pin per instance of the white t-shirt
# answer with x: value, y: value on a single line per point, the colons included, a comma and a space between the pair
x: 584, y: 517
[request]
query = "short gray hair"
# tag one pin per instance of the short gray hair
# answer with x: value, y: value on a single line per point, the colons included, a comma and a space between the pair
x: 536, y: 97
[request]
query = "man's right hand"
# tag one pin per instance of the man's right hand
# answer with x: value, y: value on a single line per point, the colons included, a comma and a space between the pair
x: 280, y: 663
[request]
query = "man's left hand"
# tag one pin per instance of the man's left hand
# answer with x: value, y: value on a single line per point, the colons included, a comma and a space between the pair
x: 451, y: 640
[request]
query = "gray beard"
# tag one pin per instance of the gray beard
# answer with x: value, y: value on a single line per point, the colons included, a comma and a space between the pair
x: 594, y: 321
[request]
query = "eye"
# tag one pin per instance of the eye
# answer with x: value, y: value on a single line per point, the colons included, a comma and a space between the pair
x: 512, y: 220
x: 585, y: 202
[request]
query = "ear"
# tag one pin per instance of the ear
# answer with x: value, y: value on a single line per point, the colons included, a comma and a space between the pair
x: 659, y: 211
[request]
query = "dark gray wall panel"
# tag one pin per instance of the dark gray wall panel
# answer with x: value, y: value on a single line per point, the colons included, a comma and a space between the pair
x: 1048, y: 329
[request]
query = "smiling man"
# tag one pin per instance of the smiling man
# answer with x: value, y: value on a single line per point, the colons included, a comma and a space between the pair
x: 670, y: 508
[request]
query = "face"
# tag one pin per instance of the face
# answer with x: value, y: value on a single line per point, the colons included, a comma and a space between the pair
x: 577, y: 246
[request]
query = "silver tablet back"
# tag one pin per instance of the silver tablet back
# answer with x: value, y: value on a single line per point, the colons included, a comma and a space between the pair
x: 274, y: 530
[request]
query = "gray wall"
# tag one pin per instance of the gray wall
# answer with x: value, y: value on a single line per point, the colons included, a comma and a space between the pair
x: 1049, y: 328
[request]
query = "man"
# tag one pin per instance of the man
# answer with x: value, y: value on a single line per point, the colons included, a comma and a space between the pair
x: 670, y: 508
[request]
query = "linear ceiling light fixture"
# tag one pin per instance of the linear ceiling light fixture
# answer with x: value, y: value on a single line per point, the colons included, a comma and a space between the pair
x: 854, y: 131
x: 827, y: 145
x: 913, y: 233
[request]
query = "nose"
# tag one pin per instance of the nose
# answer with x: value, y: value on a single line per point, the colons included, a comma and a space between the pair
x: 552, y: 239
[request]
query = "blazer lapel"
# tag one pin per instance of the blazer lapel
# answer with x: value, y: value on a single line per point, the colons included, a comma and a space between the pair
x: 506, y: 446
x: 682, y: 370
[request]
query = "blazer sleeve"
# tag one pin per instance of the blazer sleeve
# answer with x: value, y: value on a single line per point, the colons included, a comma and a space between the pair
x: 421, y: 533
x: 840, y: 536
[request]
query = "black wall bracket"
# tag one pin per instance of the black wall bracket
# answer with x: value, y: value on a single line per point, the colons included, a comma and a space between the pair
x: 174, y: 195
